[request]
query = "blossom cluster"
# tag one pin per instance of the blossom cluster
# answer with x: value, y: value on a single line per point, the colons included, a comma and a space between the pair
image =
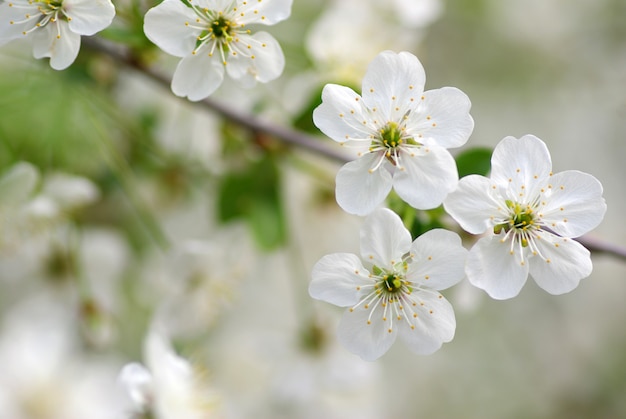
x: 210, y: 36
x: 520, y: 218
x: 526, y: 215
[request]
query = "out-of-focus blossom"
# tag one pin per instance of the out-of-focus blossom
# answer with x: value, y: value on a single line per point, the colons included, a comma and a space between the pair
x: 30, y: 205
x: 213, y: 36
x: 54, y: 25
x: 391, y: 290
x: 349, y: 33
x: 315, y: 377
x: 194, y: 283
x: 44, y: 373
x: 530, y: 216
x: 168, y: 387
x: 400, y: 133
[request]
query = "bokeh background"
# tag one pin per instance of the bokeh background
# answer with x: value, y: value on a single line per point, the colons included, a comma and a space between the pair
x: 140, y: 207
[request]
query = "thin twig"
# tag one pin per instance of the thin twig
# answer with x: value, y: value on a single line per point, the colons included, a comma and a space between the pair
x: 253, y: 123
x: 596, y: 245
x: 289, y: 135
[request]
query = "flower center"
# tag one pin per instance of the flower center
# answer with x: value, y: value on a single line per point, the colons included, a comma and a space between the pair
x: 521, y: 220
x: 392, y: 282
x: 389, y: 295
x: 220, y: 27
x: 391, y: 135
x: 391, y: 139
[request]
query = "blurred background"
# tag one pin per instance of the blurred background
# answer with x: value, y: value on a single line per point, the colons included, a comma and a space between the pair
x: 122, y: 205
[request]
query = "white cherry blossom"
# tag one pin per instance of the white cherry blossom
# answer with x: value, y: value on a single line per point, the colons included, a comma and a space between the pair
x: 55, y: 26
x: 392, y: 290
x: 400, y: 133
x: 169, y: 388
x: 213, y: 35
x: 529, y: 216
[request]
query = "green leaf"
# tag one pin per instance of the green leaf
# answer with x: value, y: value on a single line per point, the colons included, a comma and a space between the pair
x: 253, y: 195
x: 475, y: 161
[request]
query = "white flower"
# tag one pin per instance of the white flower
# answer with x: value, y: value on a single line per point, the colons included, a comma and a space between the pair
x: 169, y: 388
x: 56, y: 25
x: 210, y: 35
x: 45, y: 374
x: 392, y: 290
x: 530, y: 216
x: 401, y: 134
x: 29, y: 205
x: 354, y: 25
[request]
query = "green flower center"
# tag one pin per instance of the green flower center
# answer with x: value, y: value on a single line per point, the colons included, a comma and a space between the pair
x: 521, y: 218
x: 390, y: 139
x: 391, y: 135
x: 392, y: 282
x: 220, y: 28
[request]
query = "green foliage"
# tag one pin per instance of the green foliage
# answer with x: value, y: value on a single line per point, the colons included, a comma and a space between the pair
x: 304, y: 121
x: 474, y: 161
x: 417, y: 222
x: 253, y: 194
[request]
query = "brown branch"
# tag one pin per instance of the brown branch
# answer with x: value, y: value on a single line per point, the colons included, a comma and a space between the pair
x: 253, y: 123
x: 595, y: 245
x: 285, y: 134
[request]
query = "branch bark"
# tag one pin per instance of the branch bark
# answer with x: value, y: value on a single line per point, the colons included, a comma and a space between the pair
x: 285, y: 134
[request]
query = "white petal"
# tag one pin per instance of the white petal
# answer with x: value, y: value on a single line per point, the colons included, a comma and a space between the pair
x: 18, y: 183
x: 435, y: 323
x: 70, y: 191
x: 391, y: 81
x: 164, y: 25
x: 473, y: 202
x: 569, y: 262
x: 384, y: 239
x: 137, y: 381
x: 491, y: 267
x: 197, y: 76
x: 449, y: 124
x: 167, y: 367
x: 357, y: 190
x: 369, y: 341
x: 574, y: 203
x: 438, y: 259
x: 340, y: 116
x: 335, y: 279
x: 16, y: 13
x: 57, y: 41
x: 268, y: 62
x: 89, y: 16
x: 522, y: 164
x: 428, y: 176
x: 266, y: 12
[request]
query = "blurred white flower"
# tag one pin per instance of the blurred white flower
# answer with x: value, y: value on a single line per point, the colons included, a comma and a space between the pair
x: 416, y: 13
x: 315, y: 377
x: 56, y: 25
x: 529, y: 215
x: 29, y: 205
x: 213, y: 35
x: 69, y: 191
x: 194, y: 283
x: 44, y: 374
x: 17, y: 188
x: 391, y: 290
x: 348, y: 35
x: 169, y: 388
x: 400, y: 132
